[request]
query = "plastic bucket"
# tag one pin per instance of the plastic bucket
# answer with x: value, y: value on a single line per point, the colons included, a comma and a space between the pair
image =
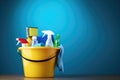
x: 39, y: 61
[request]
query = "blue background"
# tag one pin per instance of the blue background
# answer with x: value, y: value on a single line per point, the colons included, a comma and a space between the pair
x: 89, y: 33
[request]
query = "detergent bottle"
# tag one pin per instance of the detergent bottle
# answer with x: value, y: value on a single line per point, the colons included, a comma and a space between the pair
x: 49, y: 41
x: 57, y: 41
x: 42, y: 40
x: 34, y: 41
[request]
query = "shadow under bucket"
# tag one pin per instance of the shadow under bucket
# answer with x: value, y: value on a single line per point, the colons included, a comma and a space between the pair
x: 39, y: 61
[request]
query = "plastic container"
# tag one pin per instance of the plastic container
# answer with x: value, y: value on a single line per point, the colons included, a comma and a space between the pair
x: 39, y: 61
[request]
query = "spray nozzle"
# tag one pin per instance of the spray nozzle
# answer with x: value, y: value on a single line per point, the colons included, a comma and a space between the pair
x: 22, y: 40
x: 48, y: 32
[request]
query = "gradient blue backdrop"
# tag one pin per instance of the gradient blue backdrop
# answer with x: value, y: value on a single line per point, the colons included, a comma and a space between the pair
x: 89, y: 32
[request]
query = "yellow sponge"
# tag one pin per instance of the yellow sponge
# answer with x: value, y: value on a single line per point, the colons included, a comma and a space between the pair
x: 32, y: 31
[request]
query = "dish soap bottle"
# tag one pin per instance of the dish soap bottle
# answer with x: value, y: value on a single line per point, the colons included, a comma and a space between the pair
x: 57, y: 41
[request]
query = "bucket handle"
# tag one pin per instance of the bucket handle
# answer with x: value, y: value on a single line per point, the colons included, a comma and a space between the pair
x: 36, y: 60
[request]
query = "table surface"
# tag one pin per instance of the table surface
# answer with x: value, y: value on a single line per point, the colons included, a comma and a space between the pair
x: 16, y: 77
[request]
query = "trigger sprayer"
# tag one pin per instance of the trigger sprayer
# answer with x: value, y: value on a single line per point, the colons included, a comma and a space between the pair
x: 22, y: 40
x: 49, y: 34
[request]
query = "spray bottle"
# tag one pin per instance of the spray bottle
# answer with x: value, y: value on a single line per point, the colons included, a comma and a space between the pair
x: 49, y: 34
x: 23, y: 41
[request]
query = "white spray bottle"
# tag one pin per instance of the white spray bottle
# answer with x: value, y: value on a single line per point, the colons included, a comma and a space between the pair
x: 49, y: 34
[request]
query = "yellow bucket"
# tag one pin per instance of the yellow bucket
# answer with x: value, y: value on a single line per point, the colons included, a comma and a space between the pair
x: 39, y: 61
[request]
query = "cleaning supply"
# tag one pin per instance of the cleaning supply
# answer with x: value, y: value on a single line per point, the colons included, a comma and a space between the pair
x: 39, y: 39
x: 49, y: 34
x: 23, y: 41
x: 57, y: 41
x: 31, y: 31
x: 34, y: 41
x: 60, y: 59
x: 39, y: 62
x: 42, y: 40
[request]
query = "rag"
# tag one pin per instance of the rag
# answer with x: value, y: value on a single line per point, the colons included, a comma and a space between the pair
x: 60, y: 59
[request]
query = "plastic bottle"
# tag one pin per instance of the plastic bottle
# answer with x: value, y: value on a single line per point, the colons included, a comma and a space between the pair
x: 42, y: 40
x: 57, y: 41
x: 23, y: 41
x: 49, y: 34
x: 34, y: 41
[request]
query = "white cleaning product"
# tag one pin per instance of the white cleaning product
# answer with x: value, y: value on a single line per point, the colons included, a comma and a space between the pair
x: 34, y: 41
x: 49, y: 34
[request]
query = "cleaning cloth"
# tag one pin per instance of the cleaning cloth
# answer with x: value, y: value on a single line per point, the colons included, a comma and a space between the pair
x: 60, y: 59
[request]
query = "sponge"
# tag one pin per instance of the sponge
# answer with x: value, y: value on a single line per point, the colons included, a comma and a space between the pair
x: 32, y: 31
